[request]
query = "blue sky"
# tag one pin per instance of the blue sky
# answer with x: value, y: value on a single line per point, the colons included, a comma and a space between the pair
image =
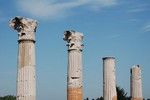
x: 119, y: 28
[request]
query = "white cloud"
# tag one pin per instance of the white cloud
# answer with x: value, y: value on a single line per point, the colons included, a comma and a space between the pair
x: 139, y: 8
x: 54, y: 9
x: 134, y: 10
x: 147, y: 27
x: 114, y: 36
x: 135, y: 20
x: 2, y: 16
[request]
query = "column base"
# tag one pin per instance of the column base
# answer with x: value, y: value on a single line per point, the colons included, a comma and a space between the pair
x: 74, y: 94
x: 114, y: 98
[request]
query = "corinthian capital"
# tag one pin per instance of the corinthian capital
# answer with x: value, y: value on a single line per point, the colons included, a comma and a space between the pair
x: 25, y: 27
x: 74, y: 39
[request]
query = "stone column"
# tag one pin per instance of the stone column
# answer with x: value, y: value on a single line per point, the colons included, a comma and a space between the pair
x: 74, y: 78
x: 136, y: 83
x: 109, y: 79
x: 26, y: 76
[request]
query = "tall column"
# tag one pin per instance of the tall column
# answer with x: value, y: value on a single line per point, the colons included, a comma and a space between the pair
x: 109, y: 79
x: 74, y: 78
x: 136, y: 83
x: 26, y: 76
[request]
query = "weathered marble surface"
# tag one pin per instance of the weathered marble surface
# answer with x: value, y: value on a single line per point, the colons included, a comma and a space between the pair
x: 26, y: 27
x: 136, y: 83
x: 26, y: 76
x: 74, y: 39
x: 109, y: 79
x: 74, y: 78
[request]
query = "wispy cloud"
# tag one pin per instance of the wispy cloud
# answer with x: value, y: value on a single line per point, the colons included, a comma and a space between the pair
x: 135, y: 20
x: 147, y: 27
x: 135, y: 10
x: 54, y: 9
x: 139, y: 8
x: 2, y: 18
x: 114, y: 36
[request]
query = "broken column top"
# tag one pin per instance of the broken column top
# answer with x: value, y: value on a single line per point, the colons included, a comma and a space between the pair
x: 74, y: 40
x: 136, y: 71
x: 26, y: 27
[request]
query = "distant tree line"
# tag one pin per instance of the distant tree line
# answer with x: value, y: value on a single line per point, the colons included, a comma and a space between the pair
x: 121, y: 95
x: 8, y: 97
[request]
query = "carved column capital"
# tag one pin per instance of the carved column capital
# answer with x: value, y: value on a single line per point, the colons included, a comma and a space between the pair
x: 25, y: 27
x: 74, y: 40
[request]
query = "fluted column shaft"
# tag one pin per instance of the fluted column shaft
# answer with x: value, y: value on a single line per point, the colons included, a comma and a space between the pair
x: 136, y: 83
x: 109, y: 79
x: 26, y: 75
x: 26, y: 82
x: 74, y: 77
x: 74, y: 83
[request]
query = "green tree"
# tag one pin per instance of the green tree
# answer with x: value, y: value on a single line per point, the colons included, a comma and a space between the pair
x: 101, y: 98
x: 8, y: 97
x: 121, y: 94
x: 86, y: 99
x: 1, y: 98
